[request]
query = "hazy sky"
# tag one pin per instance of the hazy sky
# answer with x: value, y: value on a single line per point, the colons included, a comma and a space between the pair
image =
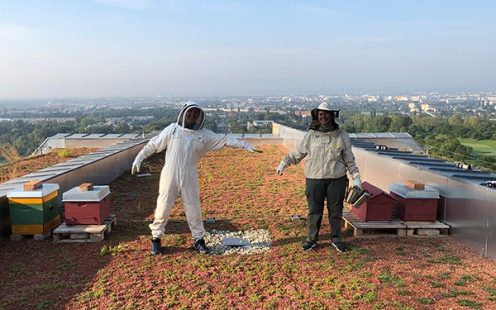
x: 203, y: 48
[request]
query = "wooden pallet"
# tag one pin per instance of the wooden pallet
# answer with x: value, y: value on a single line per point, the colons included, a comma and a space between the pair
x: 431, y: 229
x: 84, y: 233
x: 394, y: 227
x: 362, y: 228
x: 33, y: 236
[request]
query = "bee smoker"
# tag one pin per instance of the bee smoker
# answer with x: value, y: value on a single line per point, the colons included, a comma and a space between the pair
x: 356, y: 196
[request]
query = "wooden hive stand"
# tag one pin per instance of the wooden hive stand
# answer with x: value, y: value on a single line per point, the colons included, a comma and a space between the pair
x: 431, y: 229
x: 84, y: 233
x: 362, y: 228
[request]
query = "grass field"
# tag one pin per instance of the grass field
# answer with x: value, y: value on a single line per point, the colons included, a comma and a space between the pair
x: 481, y: 147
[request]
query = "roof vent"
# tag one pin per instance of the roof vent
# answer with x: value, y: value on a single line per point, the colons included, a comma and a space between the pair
x: 491, y: 183
x: 464, y: 166
x: 381, y: 147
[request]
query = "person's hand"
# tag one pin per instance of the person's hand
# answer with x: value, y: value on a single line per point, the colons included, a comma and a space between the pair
x: 250, y: 148
x: 135, y: 168
x: 357, y: 182
x: 281, y: 167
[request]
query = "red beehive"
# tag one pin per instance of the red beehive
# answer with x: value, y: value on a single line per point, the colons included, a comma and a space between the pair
x: 87, y: 205
x: 415, y: 204
x: 378, y: 207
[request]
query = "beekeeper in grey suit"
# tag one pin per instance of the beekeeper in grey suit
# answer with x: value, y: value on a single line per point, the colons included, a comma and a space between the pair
x: 327, y: 149
x: 185, y: 143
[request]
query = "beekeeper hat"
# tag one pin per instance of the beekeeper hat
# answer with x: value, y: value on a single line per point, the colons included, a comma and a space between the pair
x: 191, y: 105
x: 324, y: 106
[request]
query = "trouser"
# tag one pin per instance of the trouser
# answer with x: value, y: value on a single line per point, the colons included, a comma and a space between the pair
x: 317, y: 191
x: 168, y: 193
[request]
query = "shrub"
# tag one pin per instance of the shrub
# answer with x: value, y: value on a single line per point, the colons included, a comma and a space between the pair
x: 65, y: 153
x: 11, y: 155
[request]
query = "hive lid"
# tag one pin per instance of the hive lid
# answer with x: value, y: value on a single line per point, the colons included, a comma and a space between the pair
x: 97, y: 193
x: 404, y: 191
x: 45, y: 190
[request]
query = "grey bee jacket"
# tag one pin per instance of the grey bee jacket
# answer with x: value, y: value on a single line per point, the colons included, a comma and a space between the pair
x: 327, y: 155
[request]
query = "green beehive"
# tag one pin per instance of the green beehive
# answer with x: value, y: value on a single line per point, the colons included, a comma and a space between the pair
x: 35, y: 211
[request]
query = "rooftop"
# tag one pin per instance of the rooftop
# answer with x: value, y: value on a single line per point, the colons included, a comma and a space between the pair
x: 242, y: 192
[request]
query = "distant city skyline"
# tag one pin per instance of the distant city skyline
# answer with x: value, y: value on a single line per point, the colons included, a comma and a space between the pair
x: 106, y: 48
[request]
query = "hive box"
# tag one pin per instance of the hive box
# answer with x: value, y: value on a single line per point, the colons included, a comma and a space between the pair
x: 415, y: 204
x: 89, y: 207
x: 35, y: 211
x: 378, y: 207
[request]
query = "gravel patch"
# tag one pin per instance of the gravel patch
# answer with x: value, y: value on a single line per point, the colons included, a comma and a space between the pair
x: 257, y: 241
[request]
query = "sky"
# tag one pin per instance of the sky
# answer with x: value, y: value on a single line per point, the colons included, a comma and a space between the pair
x: 102, y: 48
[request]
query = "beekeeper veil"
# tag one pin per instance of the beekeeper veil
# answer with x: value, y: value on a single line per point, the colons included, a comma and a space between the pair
x: 182, y: 119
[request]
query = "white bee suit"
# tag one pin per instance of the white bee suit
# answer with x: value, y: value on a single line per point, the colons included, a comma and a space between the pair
x: 184, y: 148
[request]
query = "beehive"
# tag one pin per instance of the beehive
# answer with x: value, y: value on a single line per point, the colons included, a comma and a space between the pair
x: 87, y: 205
x: 378, y: 207
x: 34, y: 211
x: 415, y: 204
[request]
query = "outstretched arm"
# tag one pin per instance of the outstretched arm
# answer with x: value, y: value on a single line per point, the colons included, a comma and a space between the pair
x: 156, y: 145
x: 217, y: 141
x: 294, y: 157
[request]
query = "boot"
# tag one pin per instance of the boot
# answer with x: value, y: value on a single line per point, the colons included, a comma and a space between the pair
x: 201, y: 247
x: 156, y: 246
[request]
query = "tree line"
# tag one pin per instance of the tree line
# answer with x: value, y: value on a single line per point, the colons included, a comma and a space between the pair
x: 438, y: 135
x: 27, y: 136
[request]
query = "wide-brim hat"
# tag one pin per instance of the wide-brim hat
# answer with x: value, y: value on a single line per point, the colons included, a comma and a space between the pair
x: 324, y: 106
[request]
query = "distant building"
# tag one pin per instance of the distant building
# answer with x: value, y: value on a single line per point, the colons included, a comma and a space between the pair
x: 258, y: 124
x: 370, y: 98
x: 303, y: 113
x: 416, y: 99
x: 401, y: 99
x: 413, y: 107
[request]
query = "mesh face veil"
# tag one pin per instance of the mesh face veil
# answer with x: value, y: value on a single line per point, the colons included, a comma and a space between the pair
x: 181, y: 120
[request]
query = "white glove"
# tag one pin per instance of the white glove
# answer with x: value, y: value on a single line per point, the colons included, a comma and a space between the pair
x: 135, y: 168
x: 357, y: 182
x: 281, y: 167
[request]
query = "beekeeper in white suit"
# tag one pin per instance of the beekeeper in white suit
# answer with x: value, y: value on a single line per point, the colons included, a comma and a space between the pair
x: 185, y: 143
